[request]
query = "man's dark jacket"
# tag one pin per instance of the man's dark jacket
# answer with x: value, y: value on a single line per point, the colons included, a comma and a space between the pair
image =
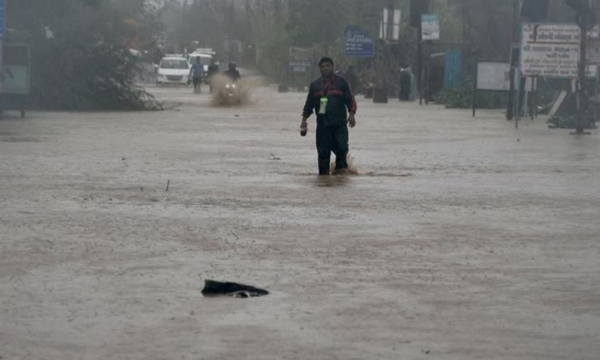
x: 340, y: 100
x: 234, y: 75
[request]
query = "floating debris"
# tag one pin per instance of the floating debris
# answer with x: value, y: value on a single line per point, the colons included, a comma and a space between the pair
x: 216, y: 288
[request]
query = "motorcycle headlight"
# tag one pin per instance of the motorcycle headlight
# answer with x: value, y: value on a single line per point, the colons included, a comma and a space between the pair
x: 228, y: 86
x: 233, y: 86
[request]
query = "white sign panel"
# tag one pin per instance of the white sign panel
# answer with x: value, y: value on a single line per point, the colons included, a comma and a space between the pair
x: 493, y: 76
x: 551, y: 50
x: 430, y: 27
x: 383, y: 31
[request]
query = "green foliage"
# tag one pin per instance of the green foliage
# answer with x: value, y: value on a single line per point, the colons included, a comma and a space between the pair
x: 570, y: 122
x: 454, y: 98
x: 462, y: 98
x: 85, y: 65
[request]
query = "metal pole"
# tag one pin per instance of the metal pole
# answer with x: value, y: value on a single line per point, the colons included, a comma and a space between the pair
x: 518, y: 102
x: 2, y: 47
x: 387, y: 46
x: 532, y: 99
x: 390, y: 21
x: 428, y: 74
x: 420, y: 62
x: 582, y: 66
x: 1, y: 56
x: 596, y: 93
x: 511, y: 93
x: 585, y: 19
x: 536, y: 98
x: 525, y: 99
x: 475, y: 88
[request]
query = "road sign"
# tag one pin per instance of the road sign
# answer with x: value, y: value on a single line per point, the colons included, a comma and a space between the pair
x: 593, y: 54
x: 357, y: 43
x: 300, y: 66
x: 2, y: 18
x: 430, y: 27
x: 552, y: 50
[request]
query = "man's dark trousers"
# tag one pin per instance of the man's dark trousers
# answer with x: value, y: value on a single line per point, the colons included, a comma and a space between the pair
x: 332, y: 138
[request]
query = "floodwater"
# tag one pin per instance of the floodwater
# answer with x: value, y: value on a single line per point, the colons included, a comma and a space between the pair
x: 459, y: 238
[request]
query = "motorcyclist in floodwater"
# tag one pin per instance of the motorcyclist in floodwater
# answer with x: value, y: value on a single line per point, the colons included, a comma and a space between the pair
x: 331, y: 98
x: 232, y: 73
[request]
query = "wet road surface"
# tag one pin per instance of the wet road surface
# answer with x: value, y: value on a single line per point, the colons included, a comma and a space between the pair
x: 460, y: 238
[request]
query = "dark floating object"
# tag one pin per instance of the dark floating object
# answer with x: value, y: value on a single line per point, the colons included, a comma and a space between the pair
x: 217, y: 288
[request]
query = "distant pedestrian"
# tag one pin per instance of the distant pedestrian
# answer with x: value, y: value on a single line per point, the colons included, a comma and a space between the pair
x: 196, y: 75
x: 331, y: 98
x: 213, y: 69
x: 405, y: 83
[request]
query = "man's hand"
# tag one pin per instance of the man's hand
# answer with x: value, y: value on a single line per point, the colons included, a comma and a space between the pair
x: 303, y: 127
x: 352, y: 121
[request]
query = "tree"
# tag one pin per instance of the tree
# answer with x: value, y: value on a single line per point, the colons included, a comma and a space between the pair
x: 85, y: 64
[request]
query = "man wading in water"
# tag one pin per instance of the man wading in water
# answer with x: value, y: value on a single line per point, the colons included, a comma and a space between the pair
x: 330, y: 96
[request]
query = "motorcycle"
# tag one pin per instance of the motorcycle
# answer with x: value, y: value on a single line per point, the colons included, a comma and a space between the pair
x: 230, y: 94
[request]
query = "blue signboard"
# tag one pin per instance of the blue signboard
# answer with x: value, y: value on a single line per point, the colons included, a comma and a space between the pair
x: 358, y: 44
x: 2, y: 18
x: 453, y: 69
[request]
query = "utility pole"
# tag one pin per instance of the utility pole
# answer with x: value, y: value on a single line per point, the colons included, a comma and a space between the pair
x: 2, y: 32
x: 581, y: 103
x: 586, y: 20
x: 510, y: 111
x: 390, y: 21
x: 389, y: 37
x: 422, y: 68
x: 420, y: 61
x: 417, y: 9
x: 381, y: 92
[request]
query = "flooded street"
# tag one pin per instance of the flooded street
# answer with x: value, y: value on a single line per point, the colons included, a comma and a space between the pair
x: 460, y: 238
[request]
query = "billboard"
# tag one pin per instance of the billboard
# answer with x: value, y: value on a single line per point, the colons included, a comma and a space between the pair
x: 552, y: 50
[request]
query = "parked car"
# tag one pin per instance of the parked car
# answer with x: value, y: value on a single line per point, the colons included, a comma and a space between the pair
x: 173, y: 70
